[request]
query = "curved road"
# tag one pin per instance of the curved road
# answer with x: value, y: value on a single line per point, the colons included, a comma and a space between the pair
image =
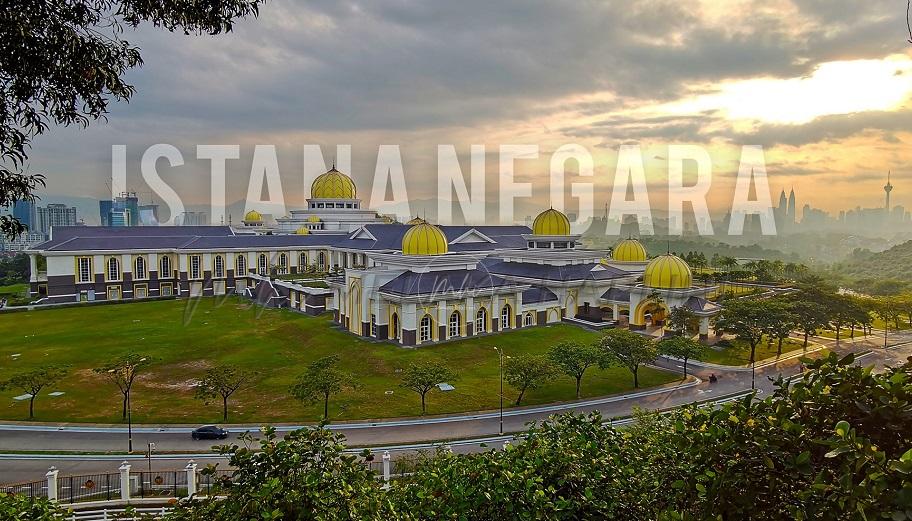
x: 404, y: 433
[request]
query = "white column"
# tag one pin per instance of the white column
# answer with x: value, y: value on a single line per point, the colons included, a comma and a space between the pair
x: 704, y: 327
x: 124, y: 481
x: 616, y: 310
x: 386, y: 466
x: 52, y: 483
x: 33, y: 267
x: 191, y: 478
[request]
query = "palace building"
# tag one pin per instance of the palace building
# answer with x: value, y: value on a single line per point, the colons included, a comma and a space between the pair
x: 413, y: 284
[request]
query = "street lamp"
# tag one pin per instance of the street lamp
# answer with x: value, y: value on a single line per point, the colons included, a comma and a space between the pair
x: 501, y: 357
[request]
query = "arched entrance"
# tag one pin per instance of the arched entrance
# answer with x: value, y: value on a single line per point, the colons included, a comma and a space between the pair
x: 649, y: 313
x: 394, y: 327
x: 354, y: 307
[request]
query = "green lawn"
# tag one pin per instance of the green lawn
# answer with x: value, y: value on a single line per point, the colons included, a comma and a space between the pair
x: 739, y: 352
x: 16, y: 294
x: 184, y: 340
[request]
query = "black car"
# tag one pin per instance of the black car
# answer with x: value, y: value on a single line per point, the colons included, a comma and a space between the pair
x: 209, y: 432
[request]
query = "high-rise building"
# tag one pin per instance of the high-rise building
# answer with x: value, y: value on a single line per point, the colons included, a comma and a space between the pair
x: 792, y: 214
x: 26, y: 213
x: 55, y: 215
x: 888, y: 188
x: 123, y: 210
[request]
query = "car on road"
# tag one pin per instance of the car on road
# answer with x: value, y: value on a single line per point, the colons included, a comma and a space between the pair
x: 209, y: 432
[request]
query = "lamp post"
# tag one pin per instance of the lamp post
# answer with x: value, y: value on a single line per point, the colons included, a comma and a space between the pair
x: 500, y: 356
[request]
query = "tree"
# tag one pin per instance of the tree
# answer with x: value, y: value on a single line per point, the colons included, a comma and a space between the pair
x: 528, y: 372
x: 810, y: 316
x: 223, y: 381
x: 843, y: 310
x: 122, y: 372
x: 681, y: 347
x: 32, y: 382
x: 780, y: 323
x: 680, y: 320
x: 321, y: 381
x: 748, y: 320
x: 61, y: 63
x: 573, y: 359
x: 628, y: 349
x: 424, y: 375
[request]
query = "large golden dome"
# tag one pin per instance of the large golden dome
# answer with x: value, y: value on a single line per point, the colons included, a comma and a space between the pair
x: 629, y: 250
x: 333, y: 185
x: 551, y: 222
x: 424, y: 239
x: 667, y: 272
x: 253, y: 216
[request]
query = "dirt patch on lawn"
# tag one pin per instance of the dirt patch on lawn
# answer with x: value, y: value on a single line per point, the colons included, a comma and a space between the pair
x: 174, y: 376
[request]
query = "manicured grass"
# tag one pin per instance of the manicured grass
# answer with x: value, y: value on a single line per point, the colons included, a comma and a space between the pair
x: 739, y: 352
x: 846, y: 333
x: 15, y: 294
x: 185, y: 337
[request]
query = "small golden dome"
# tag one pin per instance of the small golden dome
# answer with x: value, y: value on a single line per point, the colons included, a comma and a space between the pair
x: 424, y: 239
x: 313, y: 219
x: 302, y: 231
x: 416, y: 220
x: 551, y: 222
x: 667, y: 272
x: 333, y: 185
x: 629, y: 250
x: 253, y: 216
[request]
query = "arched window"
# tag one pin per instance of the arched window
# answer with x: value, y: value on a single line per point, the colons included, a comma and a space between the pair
x: 218, y: 267
x: 164, y: 271
x: 113, y: 269
x: 240, y: 265
x: 302, y: 262
x: 506, y: 317
x: 322, y: 261
x: 283, y: 264
x: 481, y: 320
x: 424, y: 329
x: 139, y: 270
x: 529, y: 319
x: 454, y: 325
x: 263, y: 264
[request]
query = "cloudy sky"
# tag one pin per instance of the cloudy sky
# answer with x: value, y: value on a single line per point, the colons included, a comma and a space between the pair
x: 823, y: 85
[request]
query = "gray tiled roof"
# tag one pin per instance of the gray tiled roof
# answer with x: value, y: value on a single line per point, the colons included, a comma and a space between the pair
x: 616, y: 294
x: 537, y: 294
x: 569, y: 272
x: 412, y: 283
x: 701, y: 305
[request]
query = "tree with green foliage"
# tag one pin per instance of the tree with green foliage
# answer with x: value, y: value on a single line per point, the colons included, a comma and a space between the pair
x: 122, y: 372
x: 32, y: 382
x: 25, y: 507
x: 322, y: 380
x: 681, y: 320
x: 61, y: 64
x: 423, y: 376
x: 627, y: 349
x: 573, y: 359
x: 528, y: 372
x: 780, y: 323
x: 305, y: 475
x: 683, y: 348
x: 843, y: 310
x: 222, y: 381
x: 810, y: 316
x: 747, y: 319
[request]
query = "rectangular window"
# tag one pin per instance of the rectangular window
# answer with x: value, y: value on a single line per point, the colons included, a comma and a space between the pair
x: 166, y: 290
x: 84, y: 269
x: 196, y: 271
x: 218, y: 287
x: 373, y: 325
x: 140, y: 291
x: 196, y: 289
x: 113, y: 292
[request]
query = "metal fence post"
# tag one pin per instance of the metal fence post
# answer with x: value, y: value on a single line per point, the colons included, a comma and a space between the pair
x: 124, y: 481
x: 386, y: 466
x: 191, y: 478
x: 52, y: 483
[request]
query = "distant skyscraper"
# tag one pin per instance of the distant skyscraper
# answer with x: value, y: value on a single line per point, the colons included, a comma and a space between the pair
x: 783, y: 203
x: 888, y: 188
x: 55, y: 215
x: 123, y: 210
x: 792, y: 209
x: 25, y: 212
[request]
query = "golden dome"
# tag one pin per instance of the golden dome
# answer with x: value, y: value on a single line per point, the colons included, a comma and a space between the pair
x: 629, y: 250
x: 424, y: 239
x: 551, y: 222
x: 667, y: 272
x: 253, y: 216
x: 417, y: 220
x: 333, y: 185
x: 313, y: 219
x: 302, y: 231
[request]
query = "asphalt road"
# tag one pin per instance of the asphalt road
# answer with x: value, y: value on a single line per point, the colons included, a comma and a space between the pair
x: 404, y: 435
